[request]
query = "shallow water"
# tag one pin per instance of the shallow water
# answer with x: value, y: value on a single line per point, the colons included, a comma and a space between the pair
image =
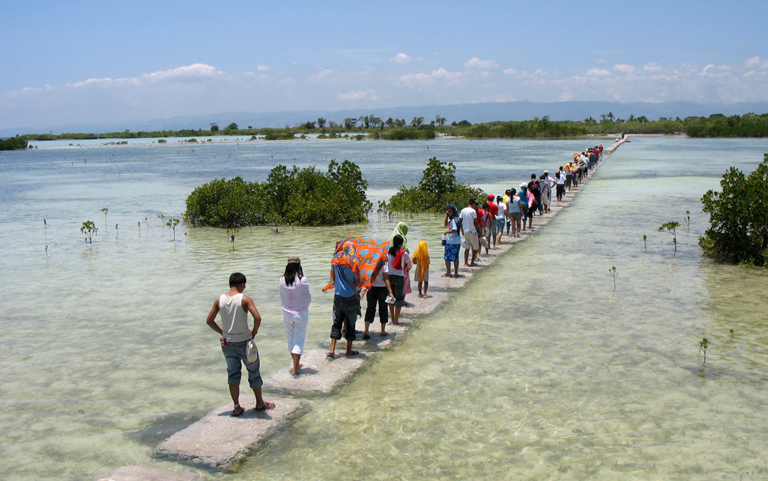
x: 539, y: 369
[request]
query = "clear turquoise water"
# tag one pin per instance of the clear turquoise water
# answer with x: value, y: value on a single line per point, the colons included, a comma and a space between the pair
x: 538, y: 370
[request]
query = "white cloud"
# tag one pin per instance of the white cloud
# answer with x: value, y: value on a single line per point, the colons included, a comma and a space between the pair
x: 509, y: 71
x: 263, y: 68
x: 598, y: 72
x: 475, y: 62
x: 652, y: 67
x: 565, y: 96
x: 624, y: 69
x: 401, y: 58
x: 752, y: 62
x: 437, y: 75
x: 368, y: 94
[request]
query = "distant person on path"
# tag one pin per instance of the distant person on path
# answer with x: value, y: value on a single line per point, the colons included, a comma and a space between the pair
x: 452, y: 241
x: 484, y: 215
x: 560, y: 180
x: 233, y: 307
x: 514, y: 212
x: 501, y: 219
x: 545, y: 192
x: 470, y: 228
x: 346, y: 300
x: 525, y: 204
x: 399, y: 265
x: 295, y: 298
x: 421, y: 261
x: 535, y: 189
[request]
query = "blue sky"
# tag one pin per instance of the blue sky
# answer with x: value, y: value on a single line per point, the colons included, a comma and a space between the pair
x: 107, y: 61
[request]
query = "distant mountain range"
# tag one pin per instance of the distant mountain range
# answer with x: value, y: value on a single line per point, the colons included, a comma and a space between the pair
x: 480, y: 112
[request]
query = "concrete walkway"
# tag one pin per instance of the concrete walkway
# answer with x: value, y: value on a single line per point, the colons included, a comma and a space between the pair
x: 220, y: 440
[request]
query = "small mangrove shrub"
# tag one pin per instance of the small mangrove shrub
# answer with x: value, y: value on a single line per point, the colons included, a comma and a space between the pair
x: 703, y: 345
x: 613, y: 273
x: 89, y: 229
x: 438, y: 188
x: 232, y: 234
x: 671, y: 227
x: 172, y: 223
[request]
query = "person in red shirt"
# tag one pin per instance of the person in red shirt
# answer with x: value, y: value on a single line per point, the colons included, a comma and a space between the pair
x: 493, y: 211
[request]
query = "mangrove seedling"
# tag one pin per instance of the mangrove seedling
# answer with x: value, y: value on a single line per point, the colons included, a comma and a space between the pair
x: 172, y: 223
x: 703, y: 345
x: 45, y: 223
x: 613, y: 273
x: 729, y: 330
x: 687, y: 220
x: 645, y: 242
x: 671, y: 227
x: 89, y: 229
x: 232, y: 233
x: 105, y: 211
x: 46, y: 255
x: 139, y: 222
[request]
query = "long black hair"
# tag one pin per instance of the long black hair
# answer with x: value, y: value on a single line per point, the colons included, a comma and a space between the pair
x: 292, y: 270
x: 397, y: 243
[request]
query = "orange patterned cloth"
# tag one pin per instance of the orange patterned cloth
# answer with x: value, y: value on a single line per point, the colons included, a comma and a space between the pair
x: 364, y: 256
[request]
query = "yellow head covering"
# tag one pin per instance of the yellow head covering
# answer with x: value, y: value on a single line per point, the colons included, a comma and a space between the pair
x: 421, y: 258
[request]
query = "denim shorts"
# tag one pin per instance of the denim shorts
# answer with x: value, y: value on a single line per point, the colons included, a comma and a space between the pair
x: 235, y: 355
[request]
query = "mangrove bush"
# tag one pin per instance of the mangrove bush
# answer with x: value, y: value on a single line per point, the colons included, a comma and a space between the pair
x: 738, y: 217
x: 304, y: 197
x: 438, y: 188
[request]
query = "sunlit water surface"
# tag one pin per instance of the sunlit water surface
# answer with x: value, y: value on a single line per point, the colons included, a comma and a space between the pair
x: 539, y: 369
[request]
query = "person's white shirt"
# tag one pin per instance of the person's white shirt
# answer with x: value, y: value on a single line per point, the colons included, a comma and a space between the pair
x: 468, y: 216
x: 502, y: 212
x: 379, y: 280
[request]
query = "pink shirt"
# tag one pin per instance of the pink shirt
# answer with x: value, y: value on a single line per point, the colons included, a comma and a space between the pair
x: 295, y: 298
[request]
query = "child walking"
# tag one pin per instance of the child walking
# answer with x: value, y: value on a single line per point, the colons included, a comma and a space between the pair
x: 421, y: 260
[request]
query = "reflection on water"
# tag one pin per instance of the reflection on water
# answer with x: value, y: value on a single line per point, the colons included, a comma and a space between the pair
x: 539, y: 369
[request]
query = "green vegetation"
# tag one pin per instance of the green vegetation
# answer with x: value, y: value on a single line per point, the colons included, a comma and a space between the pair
x: 671, y: 227
x: 703, y: 345
x: 14, y: 143
x: 172, y: 223
x: 613, y: 273
x: 738, y: 217
x: 89, y: 229
x: 305, y: 197
x: 437, y: 189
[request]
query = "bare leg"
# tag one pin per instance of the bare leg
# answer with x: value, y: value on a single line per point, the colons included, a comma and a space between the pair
x: 259, y: 400
x: 296, y: 365
x: 455, y: 268
x: 421, y: 284
x: 332, y: 352
x: 349, y: 348
x: 426, y: 287
x: 234, y: 391
x: 448, y: 268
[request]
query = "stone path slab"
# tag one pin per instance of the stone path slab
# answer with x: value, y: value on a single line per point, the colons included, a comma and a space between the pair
x: 319, y: 374
x: 219, y: 439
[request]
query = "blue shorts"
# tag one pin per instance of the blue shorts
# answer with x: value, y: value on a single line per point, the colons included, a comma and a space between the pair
x: 235, y: 355
x: 498, y: 227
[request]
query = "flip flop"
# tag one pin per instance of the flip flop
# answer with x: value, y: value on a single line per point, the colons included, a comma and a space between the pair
x: 267, y: 405
x: 366, y: 336
x: 330, y: 355
x: 353, y: 353
x: 236, y: 413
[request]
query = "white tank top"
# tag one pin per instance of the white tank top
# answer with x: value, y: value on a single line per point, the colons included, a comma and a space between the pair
x: 234, y: 319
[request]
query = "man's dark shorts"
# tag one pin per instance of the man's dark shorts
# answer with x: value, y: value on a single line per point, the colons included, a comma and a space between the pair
x: 235, y: 355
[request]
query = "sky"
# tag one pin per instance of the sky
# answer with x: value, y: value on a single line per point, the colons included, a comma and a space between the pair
x: 66, y: 62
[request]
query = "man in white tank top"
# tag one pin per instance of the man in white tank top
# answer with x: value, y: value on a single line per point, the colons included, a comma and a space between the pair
x: 234, y: 308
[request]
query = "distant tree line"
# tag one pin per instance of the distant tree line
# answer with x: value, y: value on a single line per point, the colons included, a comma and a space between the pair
x: 716, y: 125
